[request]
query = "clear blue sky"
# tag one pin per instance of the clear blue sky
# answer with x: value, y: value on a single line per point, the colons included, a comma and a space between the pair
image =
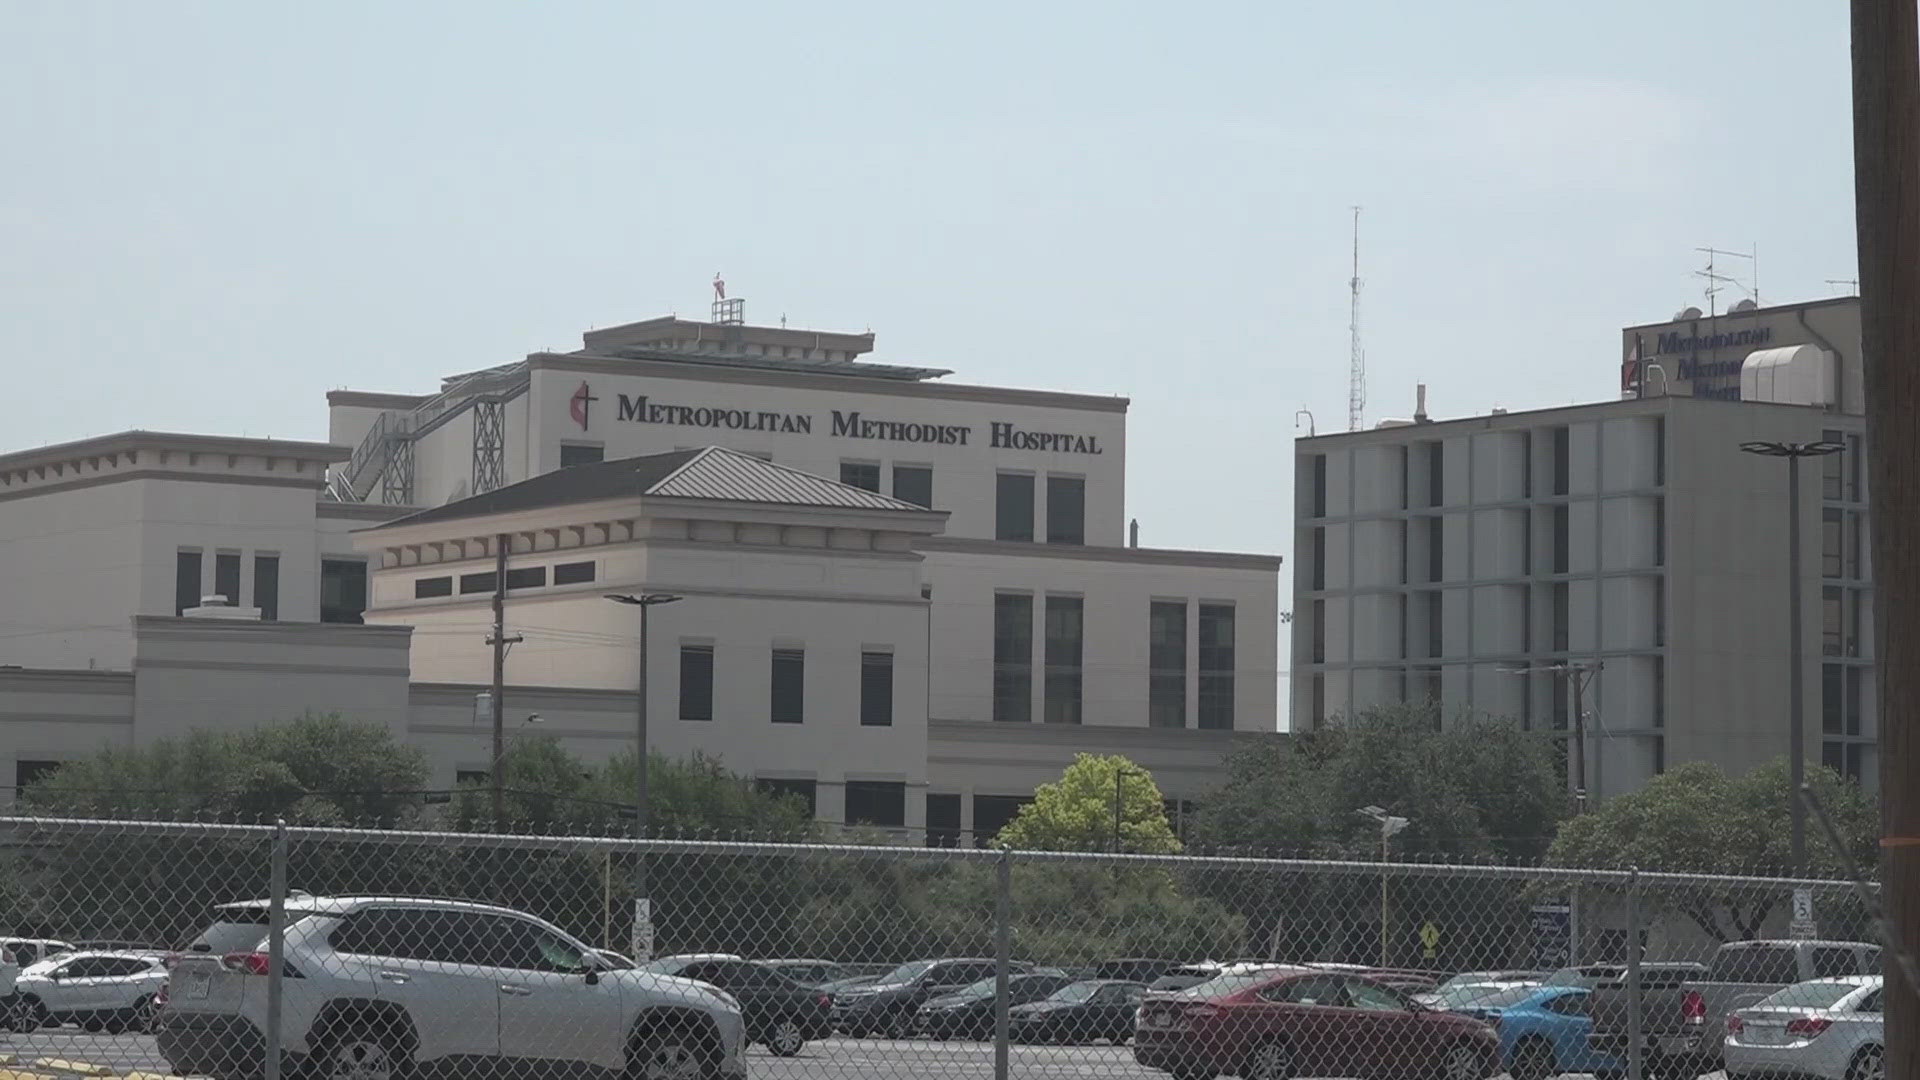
x: 212, y: 213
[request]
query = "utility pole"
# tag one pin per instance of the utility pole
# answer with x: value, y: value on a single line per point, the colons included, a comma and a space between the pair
x: 1886, y: 179
x: 1578, y: 675
x: 499, y: 642
x: 641, y: 945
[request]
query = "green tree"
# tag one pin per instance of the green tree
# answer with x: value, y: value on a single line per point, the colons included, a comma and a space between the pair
x: 1076, y: 812
x: 1696, y: 819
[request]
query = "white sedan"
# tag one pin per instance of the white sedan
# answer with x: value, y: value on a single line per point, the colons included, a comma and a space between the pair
x: 1826, y: 1028
x: 101, y: 991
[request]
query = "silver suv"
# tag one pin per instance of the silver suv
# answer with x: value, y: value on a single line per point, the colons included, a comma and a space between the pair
x: 374, y: 986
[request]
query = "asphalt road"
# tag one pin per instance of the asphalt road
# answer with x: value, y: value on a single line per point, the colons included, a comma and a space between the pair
x: 833, y: 1059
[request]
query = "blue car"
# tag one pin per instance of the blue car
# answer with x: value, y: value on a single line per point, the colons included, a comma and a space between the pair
x: 1543, y: 1031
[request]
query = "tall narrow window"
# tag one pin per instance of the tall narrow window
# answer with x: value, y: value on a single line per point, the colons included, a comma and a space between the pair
x: 1660, y: 451
x: 266, y: 586
x: 1526, y: 464
x: 1436, y: 473
x: 876, y: 689
x: 1013, y: 657
x: 1833, y: 718
x: 1167, y: 663
x: 1319, y: 568
x: 696, y: 682
x: 1832, y: 529
x: 343, y: 590
x: 1064, y: 647
x: 1833, y: 470
x: 914, y: 484
x: 1435, y: 609
x: 1013, y: 506
x: 1319, y: 485
x: 1832, y: 632
x: 861, y: 474
x: 226, y: 576
x: 1436, y: 548
x: 1562, y: 617
x: 1066, y: 510
x: 1562, y: 460
x: 1562, y: 538
x: 186, y: 581
x: 1319, y: 631
x: 1660, y: 531
x: 943, y: 820
x: 789, y: 686
x: 1216, y: 666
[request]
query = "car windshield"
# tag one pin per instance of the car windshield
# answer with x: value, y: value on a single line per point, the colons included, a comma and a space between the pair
x: 1222, y: 985
x: 974, y: 990
x: 1075, y: 993
x: 1484, y: 997
x: 238, y: 928
x: 905, y: 973
x: 668, y: 966
x: 1809, y: 995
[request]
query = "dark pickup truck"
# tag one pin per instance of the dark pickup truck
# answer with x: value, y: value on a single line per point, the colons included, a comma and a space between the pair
x: 1683, y: 1021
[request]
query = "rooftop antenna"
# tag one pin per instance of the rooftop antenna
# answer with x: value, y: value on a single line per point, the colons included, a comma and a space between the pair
x: 1852, y: 284
x: 1717, y: 282
x: 1357, y: 358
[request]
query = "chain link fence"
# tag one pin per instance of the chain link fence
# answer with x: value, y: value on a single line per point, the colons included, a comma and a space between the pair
x: 236, y: 951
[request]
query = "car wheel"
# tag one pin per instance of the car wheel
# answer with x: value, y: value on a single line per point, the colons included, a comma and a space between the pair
x: 93, y: 1024
x: 358, y: 1053
x: 145, y: 1012
x: 666, y: 1053
x: 1463, y: 1063
x: 900, y: 1026
x: 1869, y: 1064
x: 1533, y: 1060
x: 30, y: 1015
x: 786, y: 1038
x: 1271, y: 1062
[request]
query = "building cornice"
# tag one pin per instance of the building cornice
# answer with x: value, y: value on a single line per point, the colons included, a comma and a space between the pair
x: 374, y: 399
x: 1222, y: 560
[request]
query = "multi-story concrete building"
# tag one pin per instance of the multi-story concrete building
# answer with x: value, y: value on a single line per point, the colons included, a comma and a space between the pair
x: 1474, y: 561
x: 972, y: 538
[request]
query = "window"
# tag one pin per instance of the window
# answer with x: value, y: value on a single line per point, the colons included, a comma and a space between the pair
x: 470, y: 777
x: 1365, y: 995
x: 523, y: 946
x: 1319, y: 620
x: 1562, y: 621
x: 1526, y: 464
x: 1216, y: 666
x: 28, y: 773
x: 1754, y: 964
x: 1319, y: 568
x: 789, y: 686
x: 1856, y: 467
x: 1013, y: 657
x: 991, y: 813
x: 1319, y: 486
x: 1436, y: 473
x: 476, y: 583
x: 186, y: 581
x: 1167, y: 663
x: 1066, y: 510
x: 1065, y: 633
x: 1317, y: 698
x: 572, y: 454
x: 696, y: 682
x: 943, y: 820
x: 1660, y: 451
x: 1833, y: 470
x: 226, y: 576
x: 1324, y: 990
x: 1851, y: 544
x: 1562, y: 538
x: 1832, y: 699
x: 807, y: 791
x: 573, y: 573
x: 428, y: 587
x: 1855, y: 678
x: 1013, y: 506
x: 1406, y: 478
x: 914, y: 484
x: 877, y: 802
x: 1832, y: 529
x: 1870, y: 1003
x: 1435, y: 608
x: 1562, y: 460
x: 1660, y: 532
x: 527, y: 577
x: 1569, y: 1005
x: 861, y: 474
x: 1830, y: 963
x: 343, y: 590
x: 876, y: 689
x: 266, y: 586
x: 1436, y: 548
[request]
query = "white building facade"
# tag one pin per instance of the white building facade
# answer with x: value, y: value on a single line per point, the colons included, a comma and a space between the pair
x: 1473, y: 561
x: 992, y: 569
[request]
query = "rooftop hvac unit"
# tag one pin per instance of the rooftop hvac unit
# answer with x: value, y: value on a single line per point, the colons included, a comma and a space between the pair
x: 1790, y: 375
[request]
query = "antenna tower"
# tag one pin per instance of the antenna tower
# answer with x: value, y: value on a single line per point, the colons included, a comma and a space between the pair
x: 1717, y: 282
x: 1357, y: 373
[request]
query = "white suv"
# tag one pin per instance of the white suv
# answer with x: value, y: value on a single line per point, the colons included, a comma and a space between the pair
x: 99, y: 990
x: 376, y: 985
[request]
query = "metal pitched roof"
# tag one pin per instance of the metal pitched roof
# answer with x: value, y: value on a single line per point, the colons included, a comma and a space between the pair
x: 731, y: 476
x: 712, y: 472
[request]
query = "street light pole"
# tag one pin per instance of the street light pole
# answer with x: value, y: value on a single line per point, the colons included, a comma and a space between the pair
x: 1389, y: 825
x: 1796, y: 720
x: 1119, y: 774
x: 642, y: 941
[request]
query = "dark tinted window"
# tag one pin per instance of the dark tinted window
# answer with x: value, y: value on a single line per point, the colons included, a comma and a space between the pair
x: 943, y: 820
x: 914, y: 484
x: 1754, y: 964
x: 876, y: 689
x: 343, y: 590
x: 1831, y: 962
x: 1013, y: 657
x: 573, y: 573
x: 572, y: 454
x: 1366, y: 995
x: 1167, y: 663
x: 1216, y: 666
x: 877, y: 802
x: 1870, y: 1003
x: 226, y: 576
x: 186, y: 581
x: 428, y: 587
x: 696, y: 682
x: 477, y: 583
x: 515, y: 943
x: 122, y: 967
x: 1312, y: 990
x: 861, y: 474
x: 788, y: 704
x: 1013, y: 506
x: 27, y: 773
x: 1066, y: 510
x: 1064, y: 646
x: 527, y: 577
x: 266, y: 585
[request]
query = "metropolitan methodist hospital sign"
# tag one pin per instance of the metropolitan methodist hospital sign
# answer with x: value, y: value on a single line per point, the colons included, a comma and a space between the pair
x: 642, y: 409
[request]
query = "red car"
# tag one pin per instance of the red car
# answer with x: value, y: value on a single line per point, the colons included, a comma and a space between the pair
x: 1285, y: 1022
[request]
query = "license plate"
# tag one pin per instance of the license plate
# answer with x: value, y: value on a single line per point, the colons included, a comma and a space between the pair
x: 1163, y: 1020
x: 199, y: 986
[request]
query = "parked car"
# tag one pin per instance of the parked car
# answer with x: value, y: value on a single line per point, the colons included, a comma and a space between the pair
x: 834, y: 988
x: 816, y: 974
x: 615, y: 961
x: 1652, y: 972
x: 1543, y: 1031
x: 889, y: 1004
x: 1685, y: 1022
x: 1500, y: 975
x: 1300, y: 1021
x: 1131, y: 969
x: 29, y: 951
x: 779, y: 1012
x: 1457, y: 997
x: 1830, y: 1028
x: 1190, y: 975
x: 98, y: 990
x: 968, y: 1013
x: 1079, y: 1012
x: 377, y: 986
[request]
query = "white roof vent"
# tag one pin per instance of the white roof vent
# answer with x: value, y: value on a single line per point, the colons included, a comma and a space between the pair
x: 1790, y: 375
x: 1687, y: 314
x: 1744, y: 305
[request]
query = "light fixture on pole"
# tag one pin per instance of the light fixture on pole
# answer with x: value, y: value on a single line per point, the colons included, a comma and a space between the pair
x: 1579, y: 674
x: 642, y: 942
x: 1389, y: 826
x: 1796, y: 720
